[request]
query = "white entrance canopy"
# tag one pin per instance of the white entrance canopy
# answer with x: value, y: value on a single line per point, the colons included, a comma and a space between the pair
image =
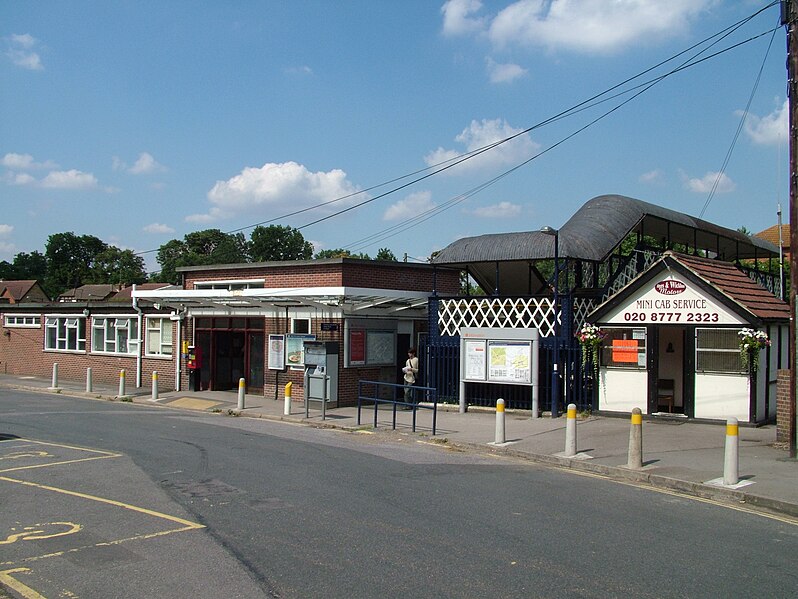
x: 350, y: 300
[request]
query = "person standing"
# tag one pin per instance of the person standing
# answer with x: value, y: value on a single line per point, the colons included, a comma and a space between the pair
x: 411, y: 372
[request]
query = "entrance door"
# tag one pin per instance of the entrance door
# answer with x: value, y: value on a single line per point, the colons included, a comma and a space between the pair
x: 671, y: 384
x: 230, y: 354
x: 256, y: 362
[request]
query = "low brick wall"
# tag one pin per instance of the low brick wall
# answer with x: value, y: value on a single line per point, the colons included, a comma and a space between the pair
x: 783, y: 407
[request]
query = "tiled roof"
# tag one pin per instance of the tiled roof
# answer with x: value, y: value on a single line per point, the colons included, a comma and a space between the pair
x: 126, y: 294
x: 16, y: 289
x: 735, y: 284
x: 89, y: 292
x: 772, y: 235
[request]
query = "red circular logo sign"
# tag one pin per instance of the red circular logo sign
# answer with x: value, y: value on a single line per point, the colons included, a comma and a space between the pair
x: 670, y: 287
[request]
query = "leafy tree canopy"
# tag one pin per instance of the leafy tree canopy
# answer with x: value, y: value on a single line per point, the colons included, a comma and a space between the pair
x: 210, y: 246
x: 70, y: 259
x: 340, y: 253
x: 385, y: 254
x: 275, y: 243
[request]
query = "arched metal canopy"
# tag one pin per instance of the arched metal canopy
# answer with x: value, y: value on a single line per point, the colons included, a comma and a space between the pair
x: 592, y: 234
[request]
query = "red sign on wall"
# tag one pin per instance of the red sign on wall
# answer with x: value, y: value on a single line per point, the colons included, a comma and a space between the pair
x: 357, y: 347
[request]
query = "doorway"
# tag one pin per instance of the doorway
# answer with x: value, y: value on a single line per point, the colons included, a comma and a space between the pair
x: 670, y: 385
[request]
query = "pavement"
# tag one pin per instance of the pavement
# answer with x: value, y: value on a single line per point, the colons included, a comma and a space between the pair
x: 678, y: 455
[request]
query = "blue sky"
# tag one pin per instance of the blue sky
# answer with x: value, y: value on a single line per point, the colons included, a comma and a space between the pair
x: 139, y: 122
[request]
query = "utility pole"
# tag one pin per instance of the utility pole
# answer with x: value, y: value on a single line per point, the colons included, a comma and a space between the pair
x: 789, y: 13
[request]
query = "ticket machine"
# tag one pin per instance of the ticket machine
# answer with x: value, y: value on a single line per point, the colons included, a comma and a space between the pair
x: 194, y: 367
x: 321, y: 372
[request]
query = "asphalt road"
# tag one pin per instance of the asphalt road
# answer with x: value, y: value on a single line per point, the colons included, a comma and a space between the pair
x: 119, y: 500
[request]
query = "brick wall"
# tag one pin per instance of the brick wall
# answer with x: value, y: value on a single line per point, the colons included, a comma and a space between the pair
x: 783, y: 423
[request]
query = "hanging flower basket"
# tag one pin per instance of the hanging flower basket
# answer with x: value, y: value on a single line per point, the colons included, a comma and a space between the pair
x: 751, y: 342
x: 590, y: 338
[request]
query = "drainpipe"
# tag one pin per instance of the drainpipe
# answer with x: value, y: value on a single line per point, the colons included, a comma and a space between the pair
x: 140, y: 339
x: 179, y: 316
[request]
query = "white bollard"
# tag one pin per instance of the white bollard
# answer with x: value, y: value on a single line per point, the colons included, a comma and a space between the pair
x: 154, y: 385
x: 570, y: 431
x: 241, y: 388
x: 635, y: 460
x: 89, y: 386
x: 55, y: 376
x: 731, y: 459
x: 287, y: 407
x: 122, y: 383
x: 500, y: 436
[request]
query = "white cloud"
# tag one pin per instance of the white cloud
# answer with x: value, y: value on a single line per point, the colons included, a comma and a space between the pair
x: 283, y: 187
x: 458, y: 19
x: 19, y: 179
x: 578, y: 25
x: 651, y: 176
x: 500, y: 210
x: 71, y: 179
x: 504, y: 73
x: 480, y: 134
x: 146, y: 164
x: 20, y: 51
x: 705, y: 183
x: 25, y: 162
x: 158, y: 228
x: 411, y: 206
x: 301, y: 70
x: 6, y: 230
x: 770, y: 129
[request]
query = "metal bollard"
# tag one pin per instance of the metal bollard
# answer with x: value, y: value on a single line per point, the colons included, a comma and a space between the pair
x: 570, y: 431
x: 287, y: 406
x: 241, y: 388
x: 500, y: 436
x: 154, y: 385
x: 731, y: 459
x: 89, y: 386
x: 122, y: 383
x: 636, y: 441
x: 55, y: 376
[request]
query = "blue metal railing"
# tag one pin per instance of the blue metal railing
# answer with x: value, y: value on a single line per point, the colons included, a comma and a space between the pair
x: 376, y: 392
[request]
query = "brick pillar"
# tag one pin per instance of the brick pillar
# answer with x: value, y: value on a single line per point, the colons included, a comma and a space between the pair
x: 783, y: 406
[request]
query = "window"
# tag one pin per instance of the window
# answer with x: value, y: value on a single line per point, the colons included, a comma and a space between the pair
x: 624, y: 348
x: 300, y: 326
x: 65, y: 333
x: 718, y: 350
x: 230, y: 285
x: 114, y: 335
x: 23, y: 321
x: 159, y: 337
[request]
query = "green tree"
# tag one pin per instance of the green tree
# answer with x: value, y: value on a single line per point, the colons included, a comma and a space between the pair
x: 7, y: 271
x: 276, y: 243
x: 386, y: 254
x: 69, y: 261
x: 117, y: 266
x: 31, y: 266
x: 210, y: 246
x: 340, y: 253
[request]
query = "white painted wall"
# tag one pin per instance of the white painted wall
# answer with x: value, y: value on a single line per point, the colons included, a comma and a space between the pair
x: 622, y: 390
x: 721, y: 396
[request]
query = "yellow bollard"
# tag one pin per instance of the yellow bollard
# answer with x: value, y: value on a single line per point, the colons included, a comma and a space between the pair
x: 122, y: 383
x: 635, y: 460
x: 287, y: 406
x: 500, y: 432
x: 570, y: 431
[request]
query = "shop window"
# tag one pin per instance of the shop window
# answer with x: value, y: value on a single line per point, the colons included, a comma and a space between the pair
x: 64, y: 333
x: 159, y: 337
x: 718, y: 350
x: 29, y: 321
x: 624, y: 347
x: 300, y: 326
x: 113, y: 335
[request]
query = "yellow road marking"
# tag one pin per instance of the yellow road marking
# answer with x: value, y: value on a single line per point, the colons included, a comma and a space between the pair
x: 191, y: 403
x: 15, y: 585
x: 110, y: 453
x: 25, y: 454
x: 34, y: 466
x: 127, y: 506
x: 34, y: 532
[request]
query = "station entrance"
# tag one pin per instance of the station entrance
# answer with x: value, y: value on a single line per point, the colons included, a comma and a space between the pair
x: 233, y: 349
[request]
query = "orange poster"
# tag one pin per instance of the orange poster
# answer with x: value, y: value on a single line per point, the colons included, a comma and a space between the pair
x: 624, y: 350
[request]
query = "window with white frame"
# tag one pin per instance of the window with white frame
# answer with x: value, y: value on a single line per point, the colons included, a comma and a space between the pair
x: 300, y: 326
x: 114, y: 334
x: 29, y: 321
x: 718, y: 350
x: 65, y: 333
x: 159, y: 337
x: 230, y: 285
